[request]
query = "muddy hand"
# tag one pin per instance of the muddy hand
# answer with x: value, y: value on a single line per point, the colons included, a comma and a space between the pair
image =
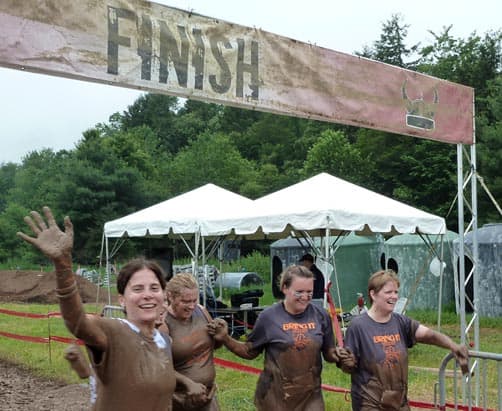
x: 196, y: 395
x: 218, y: 328
x: 77, y: 360
x: 461, y: 354
x: 54, y: 243
x: 343, y: 353
x: 347, y: 359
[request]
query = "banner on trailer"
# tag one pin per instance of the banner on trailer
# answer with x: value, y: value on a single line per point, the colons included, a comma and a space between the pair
x: 160, y: 49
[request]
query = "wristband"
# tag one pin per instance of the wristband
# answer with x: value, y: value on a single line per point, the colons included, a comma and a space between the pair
x: 67, y: 291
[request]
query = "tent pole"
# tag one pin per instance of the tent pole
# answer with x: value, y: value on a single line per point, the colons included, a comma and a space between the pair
x: 220, y: 259
x: 326, y: 258
x: 441, y: 271
x: 204, y: 271
x: 107, y: 269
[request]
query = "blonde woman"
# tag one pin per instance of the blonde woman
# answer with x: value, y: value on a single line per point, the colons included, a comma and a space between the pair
x: 192, y: 345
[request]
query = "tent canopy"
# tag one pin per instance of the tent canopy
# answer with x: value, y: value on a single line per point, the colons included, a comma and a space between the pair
x: 179, y: 215
x: 324, y: 202
x: 320, y: 203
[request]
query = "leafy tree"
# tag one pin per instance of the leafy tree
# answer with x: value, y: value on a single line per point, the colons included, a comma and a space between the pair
x: 92, y: 197
x: 271, y: 140
x: 490, y: 152
x: 11, y: 247
x: 212, y: 158
x: 238, y: 120
x: 158, y: 112
x: 476, y: 62
x: 391, y: 47
x: 472, y: 62
x: 7, y: 181
x: 418, y: 172
x: 107, y: 177
x: 333, y: 154
x: 39, y: 179
x: 194, y: 118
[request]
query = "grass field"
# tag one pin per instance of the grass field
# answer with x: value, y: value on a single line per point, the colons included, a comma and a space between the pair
x: 236, y: 389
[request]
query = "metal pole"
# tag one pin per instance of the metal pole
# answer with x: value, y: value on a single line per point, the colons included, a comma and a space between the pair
x: 108, y: 271
x: 441, y: 272
x: 461, y: 252
x: 475, y: 256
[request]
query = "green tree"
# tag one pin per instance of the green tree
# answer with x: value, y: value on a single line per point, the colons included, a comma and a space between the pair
x: 391, y: 47
x: 39, y: 179
x: 238, y: 120
x: 334, y: 154
x: 271, y: 140
x: 11, y: 247
x: 490, y: 152
x: 7, y: 181
x: 107, y: 177
x: 415, y: 171
x: 158, y: 112
x: 473, y: 61
x: 212, y: 158
x: 476, y: 62
x: 194, y: 118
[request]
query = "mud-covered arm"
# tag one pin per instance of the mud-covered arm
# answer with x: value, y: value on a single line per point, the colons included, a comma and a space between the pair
x: 57, y: 245
x: 189, y: 394
x: 218, y: 328
x: 189, y: 386
x: 428, y: 336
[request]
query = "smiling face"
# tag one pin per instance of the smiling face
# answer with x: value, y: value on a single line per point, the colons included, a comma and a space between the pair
x: 385, y: 299
x: 183, y: 303
x: 298, y: 294
x: 143, y: 298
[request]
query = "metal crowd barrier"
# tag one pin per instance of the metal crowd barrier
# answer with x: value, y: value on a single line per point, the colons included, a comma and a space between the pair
x: 479, y: 390
x: 113, y: 311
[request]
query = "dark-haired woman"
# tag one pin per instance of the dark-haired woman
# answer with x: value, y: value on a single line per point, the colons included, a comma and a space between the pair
x: 130, y: 358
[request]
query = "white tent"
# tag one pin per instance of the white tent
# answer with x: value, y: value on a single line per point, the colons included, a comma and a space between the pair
x: 322, y: 203
x: 321, y: 206
x: 179, y: 215
x: 324, y: 206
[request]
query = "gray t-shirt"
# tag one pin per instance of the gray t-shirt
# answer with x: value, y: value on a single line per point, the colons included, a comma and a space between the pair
x: 381, y: 350
x: 291, y: 378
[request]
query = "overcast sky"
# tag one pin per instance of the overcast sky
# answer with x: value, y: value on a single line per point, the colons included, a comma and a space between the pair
x: 39, y: 111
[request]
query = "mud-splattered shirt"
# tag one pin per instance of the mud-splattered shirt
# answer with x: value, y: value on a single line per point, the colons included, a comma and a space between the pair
x: 381, y: 350
x: 193, y: 353
x: 135, y: 373
x: 291, y: 378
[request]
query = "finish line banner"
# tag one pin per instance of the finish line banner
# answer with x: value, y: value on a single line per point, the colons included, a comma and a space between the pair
x: 160, y: 49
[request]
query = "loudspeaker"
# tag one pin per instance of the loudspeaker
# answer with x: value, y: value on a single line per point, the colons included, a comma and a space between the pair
x: 164, y: 257
x: 276, y: 277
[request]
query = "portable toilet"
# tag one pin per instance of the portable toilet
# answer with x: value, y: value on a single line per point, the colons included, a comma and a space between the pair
x: 489, y: 268
x: 356, y: 258
x: 418, y: 269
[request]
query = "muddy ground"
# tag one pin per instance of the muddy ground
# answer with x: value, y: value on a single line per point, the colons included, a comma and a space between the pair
x: 20, y: 389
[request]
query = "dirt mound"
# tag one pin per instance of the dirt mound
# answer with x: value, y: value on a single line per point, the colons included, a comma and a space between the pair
x: 39, y: 287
